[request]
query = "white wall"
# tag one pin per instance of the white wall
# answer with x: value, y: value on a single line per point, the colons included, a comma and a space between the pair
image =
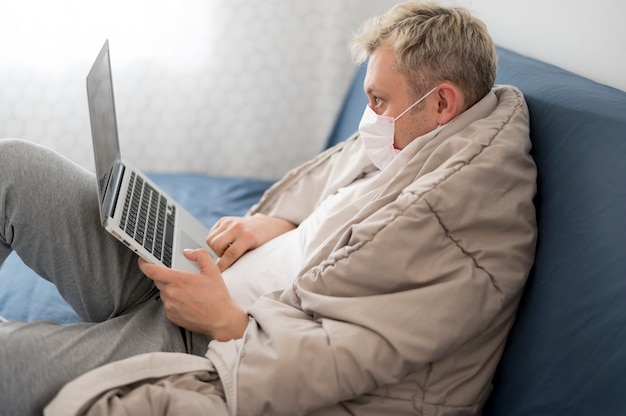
x: 286, y: 62
x: 233, y: 87
x: 582, y: 36
x: 585, y: 37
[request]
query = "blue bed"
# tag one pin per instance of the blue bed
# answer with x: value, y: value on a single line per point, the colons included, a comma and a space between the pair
x: 24, y: 296
x: 565, y: 354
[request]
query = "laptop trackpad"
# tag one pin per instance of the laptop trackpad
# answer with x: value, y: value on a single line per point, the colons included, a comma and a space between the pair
x: 187, y: 242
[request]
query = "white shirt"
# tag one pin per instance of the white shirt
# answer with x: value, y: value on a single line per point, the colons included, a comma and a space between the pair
x: 275, y: 264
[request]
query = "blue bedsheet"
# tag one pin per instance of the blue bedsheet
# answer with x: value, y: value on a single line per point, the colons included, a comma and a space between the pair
x: 25, y: 296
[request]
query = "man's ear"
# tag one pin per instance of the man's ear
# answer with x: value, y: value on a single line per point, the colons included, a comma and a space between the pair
x: 451, y: 102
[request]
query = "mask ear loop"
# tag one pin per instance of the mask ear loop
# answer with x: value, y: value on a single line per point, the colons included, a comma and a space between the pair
x: 415, y: 103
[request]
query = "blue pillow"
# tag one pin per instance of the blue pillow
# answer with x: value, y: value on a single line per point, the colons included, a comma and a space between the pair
x: 24, y: 296
x: 566, y: 354
x: 351, y: 112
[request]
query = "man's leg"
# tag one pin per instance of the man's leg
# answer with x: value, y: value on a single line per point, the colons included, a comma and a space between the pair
x: 38, y: 358
x: 49, y: 216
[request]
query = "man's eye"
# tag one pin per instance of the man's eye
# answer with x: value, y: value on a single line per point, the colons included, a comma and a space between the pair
x: 378, y: 101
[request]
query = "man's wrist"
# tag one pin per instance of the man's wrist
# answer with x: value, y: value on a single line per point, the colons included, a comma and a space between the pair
x: 234, y: 327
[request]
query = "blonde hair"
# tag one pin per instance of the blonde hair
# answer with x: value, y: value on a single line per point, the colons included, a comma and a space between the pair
x: 433, y: 44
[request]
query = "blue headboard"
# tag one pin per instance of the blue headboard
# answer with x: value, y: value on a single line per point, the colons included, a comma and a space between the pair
x: 566, y: 354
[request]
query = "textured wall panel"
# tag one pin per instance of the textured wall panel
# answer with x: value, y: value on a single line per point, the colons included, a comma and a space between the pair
x: 238, y: 87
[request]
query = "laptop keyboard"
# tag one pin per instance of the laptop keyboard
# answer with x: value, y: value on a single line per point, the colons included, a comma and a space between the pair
x: 148, y: 219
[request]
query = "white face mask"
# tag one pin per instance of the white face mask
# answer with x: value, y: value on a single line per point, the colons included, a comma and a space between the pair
x: 377, y: 133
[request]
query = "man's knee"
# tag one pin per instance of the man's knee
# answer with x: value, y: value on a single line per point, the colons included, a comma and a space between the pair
x: 14, y: 150
x: 17, y: 157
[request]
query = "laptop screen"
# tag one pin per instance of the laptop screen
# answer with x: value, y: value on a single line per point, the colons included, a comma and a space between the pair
x: 103, y: 123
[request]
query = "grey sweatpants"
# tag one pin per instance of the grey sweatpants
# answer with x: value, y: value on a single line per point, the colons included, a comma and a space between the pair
x: 49, y: 216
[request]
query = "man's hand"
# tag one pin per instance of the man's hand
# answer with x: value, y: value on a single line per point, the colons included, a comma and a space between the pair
x: 231, y: 237
x: 198, y: 302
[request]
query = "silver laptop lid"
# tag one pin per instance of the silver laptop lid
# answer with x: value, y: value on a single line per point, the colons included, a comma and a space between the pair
x: 104, y: 131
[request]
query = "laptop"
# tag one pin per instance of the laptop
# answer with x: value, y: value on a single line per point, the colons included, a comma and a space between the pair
x: 133, y: 208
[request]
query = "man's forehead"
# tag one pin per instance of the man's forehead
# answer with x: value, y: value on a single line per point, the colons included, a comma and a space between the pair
x: 382, y: 71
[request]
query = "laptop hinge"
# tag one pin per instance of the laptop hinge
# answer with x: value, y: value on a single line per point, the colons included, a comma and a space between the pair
x: 113, y: 189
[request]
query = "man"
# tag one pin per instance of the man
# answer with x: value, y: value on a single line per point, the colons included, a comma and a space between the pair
x: 400, y: 256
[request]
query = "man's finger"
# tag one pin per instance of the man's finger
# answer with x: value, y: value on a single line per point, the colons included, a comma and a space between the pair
x: 220, y: 242
x: 202, y: 259
x: 146, y: 267
x: 230, y: 255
